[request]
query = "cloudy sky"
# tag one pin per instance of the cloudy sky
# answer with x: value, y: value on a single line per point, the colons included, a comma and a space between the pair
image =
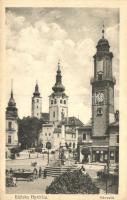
x: 37, y: 37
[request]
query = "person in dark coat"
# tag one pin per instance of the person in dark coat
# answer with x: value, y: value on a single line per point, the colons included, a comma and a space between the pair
x: 35, y: 172
x: 45, y: 173
x: 40, y: 172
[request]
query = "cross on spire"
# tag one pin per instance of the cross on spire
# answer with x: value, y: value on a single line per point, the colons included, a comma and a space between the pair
x: 103, y: 31
x: 59, y: 65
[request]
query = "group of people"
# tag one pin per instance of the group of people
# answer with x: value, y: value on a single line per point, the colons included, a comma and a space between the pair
x: 38, y: 173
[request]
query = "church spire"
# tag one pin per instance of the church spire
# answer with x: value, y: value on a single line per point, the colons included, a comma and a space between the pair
x: 36, y: 92
x: 58, y: 87
x: 11, y: 100
x: 12, y: 88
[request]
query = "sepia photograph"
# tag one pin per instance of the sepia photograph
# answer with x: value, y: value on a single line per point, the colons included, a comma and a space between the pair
x: 62, y: 100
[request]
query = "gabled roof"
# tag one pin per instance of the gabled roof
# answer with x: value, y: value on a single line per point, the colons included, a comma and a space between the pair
x: 73, y: 121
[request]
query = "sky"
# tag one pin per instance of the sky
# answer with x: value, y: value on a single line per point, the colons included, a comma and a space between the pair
x: 36, y: 38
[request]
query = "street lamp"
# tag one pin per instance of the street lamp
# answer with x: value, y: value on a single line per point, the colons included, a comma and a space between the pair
x: 107, y: 170
x: 48, y: 146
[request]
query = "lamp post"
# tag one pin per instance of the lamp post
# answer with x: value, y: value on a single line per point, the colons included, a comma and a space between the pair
x: 48, y: 146
x: 107, y: 170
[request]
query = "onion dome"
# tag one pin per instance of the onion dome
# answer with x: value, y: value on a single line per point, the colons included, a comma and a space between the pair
x: 103, y: 44
x: 36, y: 92
x: 58, y: 87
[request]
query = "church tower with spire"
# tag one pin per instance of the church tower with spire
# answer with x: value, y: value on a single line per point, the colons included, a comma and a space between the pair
x: 11, y: 123
x: 102, y: 89
x: 58, y: 100
x: 36, y: 103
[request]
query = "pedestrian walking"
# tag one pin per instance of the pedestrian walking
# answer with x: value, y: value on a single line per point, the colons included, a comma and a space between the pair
x: 35, y: 172
x: 45, y: 173
x: 14, y: 181
x: 40, y: 172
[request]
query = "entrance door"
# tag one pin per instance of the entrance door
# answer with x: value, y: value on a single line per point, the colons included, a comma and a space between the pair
x: 97, y: 157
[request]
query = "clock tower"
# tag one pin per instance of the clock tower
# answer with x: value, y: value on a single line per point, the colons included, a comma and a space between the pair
x: 102, y: 89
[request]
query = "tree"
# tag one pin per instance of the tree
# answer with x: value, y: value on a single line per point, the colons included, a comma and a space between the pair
x: 28, y: 132
x: 72, y: 183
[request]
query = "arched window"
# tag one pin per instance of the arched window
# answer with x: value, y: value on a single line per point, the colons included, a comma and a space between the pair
x: 37, y: 100
x: 99, y: 111
x: 55, y: 101
x: 54, y: 114
x: 100, y: 76
x: 61, y: 101
x: 51, y: 101
x: 73, y: 145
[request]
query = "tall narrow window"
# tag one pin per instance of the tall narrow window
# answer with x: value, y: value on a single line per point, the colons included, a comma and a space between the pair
x: 117, y: 138
x: 64, y: 101
x: 9, y: 139
x: 54, y: 114
x: 84, y: 136
x: 10, y: 125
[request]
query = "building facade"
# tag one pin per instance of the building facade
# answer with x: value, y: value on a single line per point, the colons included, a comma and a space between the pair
x: 11, y: 124
x: 98, y: 136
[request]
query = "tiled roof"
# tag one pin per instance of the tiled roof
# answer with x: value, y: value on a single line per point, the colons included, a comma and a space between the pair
x: 116, y: 123
x: 73, y: 121
x: 45, y: 116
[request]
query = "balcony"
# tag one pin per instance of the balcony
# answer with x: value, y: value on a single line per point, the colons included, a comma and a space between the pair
x: 112, y: 79
x: 10, y: 130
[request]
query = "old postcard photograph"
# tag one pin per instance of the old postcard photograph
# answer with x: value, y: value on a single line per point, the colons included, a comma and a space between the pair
x: 63, y: 127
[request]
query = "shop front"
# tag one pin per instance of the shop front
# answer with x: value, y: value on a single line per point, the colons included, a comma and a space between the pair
x: 114, y: 155
x: 100, y: 154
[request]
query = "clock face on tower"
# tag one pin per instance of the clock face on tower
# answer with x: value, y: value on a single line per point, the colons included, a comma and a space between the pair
x: 99, y: 97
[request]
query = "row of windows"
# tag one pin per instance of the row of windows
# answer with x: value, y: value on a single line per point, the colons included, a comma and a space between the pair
x: 36, y: 101
x: 55, y: 101
x: 70, y: 145
x: 46, y: 134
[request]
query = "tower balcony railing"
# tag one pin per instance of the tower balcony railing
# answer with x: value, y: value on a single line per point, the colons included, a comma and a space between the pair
x: 94, y: 79
x: 10, y: 129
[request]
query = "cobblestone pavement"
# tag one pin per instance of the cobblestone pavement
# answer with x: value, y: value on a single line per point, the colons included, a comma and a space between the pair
x: 37, y: 186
